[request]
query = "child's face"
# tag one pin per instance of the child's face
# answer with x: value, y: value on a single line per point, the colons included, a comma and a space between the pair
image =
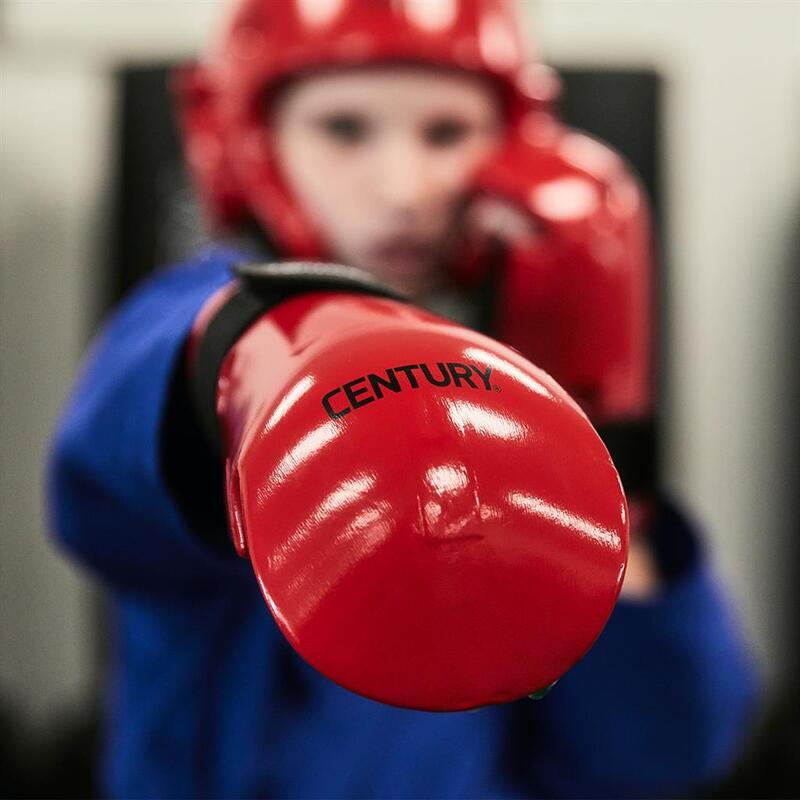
x: 379, y: 158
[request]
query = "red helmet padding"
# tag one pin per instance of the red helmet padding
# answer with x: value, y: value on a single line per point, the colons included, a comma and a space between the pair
x: 223, y: 100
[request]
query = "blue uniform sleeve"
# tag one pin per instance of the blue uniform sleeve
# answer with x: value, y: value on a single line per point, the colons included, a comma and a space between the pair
x: 109, y: 504
x: 662, y: 704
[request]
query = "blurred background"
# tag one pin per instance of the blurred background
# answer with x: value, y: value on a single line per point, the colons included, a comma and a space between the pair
x: 702, y: 97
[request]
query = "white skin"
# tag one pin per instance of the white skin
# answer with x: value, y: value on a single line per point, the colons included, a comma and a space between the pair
x: 380, y: 159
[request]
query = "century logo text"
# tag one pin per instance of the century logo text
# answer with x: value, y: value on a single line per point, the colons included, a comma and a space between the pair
x: 374, y: 385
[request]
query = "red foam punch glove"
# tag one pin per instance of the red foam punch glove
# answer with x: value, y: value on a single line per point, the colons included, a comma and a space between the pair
x: 433, y: 521
x: 570, y: 264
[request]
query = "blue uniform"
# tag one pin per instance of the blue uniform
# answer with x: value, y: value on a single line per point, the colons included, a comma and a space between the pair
x: 206, y: 698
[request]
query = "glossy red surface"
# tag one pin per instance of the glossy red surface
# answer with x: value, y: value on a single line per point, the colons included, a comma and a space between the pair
x: 576, y: 299
x: 438, y: 547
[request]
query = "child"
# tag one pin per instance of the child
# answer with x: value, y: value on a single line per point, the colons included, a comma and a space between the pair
x: 355, y: 131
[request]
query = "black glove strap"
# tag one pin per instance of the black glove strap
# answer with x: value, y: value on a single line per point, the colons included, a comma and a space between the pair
x: 262, y: 286
x: 633, y: 446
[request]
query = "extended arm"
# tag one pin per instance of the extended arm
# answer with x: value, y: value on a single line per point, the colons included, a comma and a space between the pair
x: 109, y: 504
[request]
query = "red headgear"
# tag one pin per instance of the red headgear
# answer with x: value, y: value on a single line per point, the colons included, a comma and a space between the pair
x: 222, y: 101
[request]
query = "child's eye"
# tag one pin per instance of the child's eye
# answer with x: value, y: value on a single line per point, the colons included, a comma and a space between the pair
x: 345, y: 128
x: 444, y: 132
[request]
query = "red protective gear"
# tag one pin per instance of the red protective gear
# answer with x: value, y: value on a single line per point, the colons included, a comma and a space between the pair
x: 575, y: 297
x: 433, y: 522
x: 223, y: 101
x: 577, y: 302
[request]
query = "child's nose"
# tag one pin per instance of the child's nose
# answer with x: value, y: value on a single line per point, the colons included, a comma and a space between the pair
x: 403, y: 181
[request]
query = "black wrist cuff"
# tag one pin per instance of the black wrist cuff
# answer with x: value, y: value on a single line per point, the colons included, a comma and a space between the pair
x: 633, y: 446
x: 262, y: 286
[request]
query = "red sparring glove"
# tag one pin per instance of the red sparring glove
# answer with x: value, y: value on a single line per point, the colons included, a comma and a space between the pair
x: 566, y: 226
x: 432, y: 520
